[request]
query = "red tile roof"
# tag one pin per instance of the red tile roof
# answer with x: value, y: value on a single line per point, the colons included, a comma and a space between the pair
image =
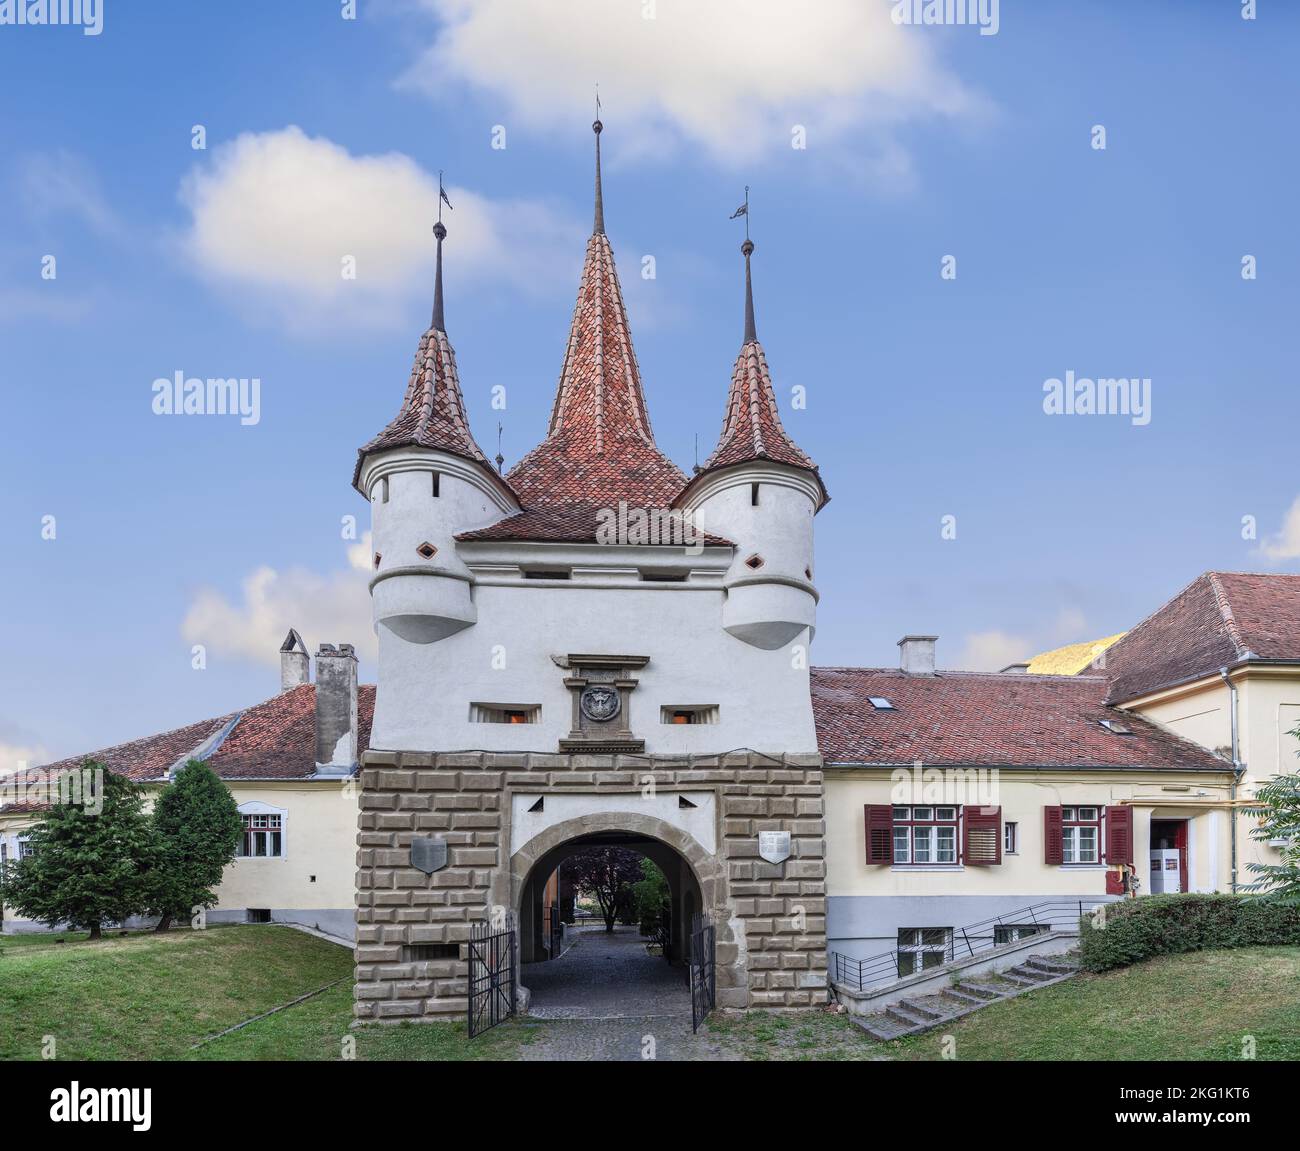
x: 952, y: 718
x: 1218, y: 620
x: 275, y: 739
x: 989, y: 720
x: 751, y: 427
x: 433, y: 411
x: 599, y: 448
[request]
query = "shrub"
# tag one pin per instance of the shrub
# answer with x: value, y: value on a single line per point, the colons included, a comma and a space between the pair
x: 1137, y: 929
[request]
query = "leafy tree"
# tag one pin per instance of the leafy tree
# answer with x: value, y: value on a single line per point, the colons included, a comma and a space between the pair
x: 199, y: 827
x: 1278, y: 808
x: 89, y: 858
x: 607, y: 873
x: 653, y: 897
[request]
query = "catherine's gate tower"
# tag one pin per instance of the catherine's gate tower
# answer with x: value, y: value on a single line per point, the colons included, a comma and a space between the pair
x: 545, y: 684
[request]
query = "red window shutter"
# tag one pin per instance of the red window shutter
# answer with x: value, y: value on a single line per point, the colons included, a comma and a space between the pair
x: 1053, y: 849
x: 1119, y: 835
x: 880, y: 832
x: 982, y: 835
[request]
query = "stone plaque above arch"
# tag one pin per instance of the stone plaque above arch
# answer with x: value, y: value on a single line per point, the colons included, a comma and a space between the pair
x: 601, y: 687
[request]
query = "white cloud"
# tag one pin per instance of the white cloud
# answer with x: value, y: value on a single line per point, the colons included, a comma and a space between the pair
x: 15, y: 757
x: 274, y: 214
x: 329, y: 608
x: 61, y: 183
x: 993, y: 650
x: 729, y: 76
x: 1284, y: 544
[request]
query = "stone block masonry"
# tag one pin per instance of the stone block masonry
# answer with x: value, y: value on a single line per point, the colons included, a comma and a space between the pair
x: 770, y: 918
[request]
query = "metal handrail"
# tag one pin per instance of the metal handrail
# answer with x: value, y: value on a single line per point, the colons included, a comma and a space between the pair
x: 975, y: 938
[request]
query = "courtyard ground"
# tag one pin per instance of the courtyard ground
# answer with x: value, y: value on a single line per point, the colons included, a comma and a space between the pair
x: 144, y: 996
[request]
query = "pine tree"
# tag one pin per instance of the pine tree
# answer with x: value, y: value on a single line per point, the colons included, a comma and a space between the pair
x: 89, y: 858
x: 198, y: 826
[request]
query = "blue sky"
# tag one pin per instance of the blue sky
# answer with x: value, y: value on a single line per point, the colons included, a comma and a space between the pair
x: 325, y: 136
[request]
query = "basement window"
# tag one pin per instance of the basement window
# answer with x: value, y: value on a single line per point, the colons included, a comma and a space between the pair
x: 505, y: 713
x: 1115, y: 727
x: 428, y: 952
x: 259, y: 915
x: 880, y: 703
x: 692, y: 713
x: 920, y: 948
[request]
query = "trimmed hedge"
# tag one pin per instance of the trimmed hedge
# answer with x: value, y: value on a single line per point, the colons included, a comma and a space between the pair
x: 1137, y: 929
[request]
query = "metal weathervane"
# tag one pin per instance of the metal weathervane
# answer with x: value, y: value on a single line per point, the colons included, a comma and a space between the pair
x: 743, y: 210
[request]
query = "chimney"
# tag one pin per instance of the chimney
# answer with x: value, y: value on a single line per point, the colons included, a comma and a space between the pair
x: 916, y: 654
x: 295, y: 663
x: 336, y: 709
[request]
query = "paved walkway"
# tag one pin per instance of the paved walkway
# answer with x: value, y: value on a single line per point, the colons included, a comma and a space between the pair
x: 607, y: 998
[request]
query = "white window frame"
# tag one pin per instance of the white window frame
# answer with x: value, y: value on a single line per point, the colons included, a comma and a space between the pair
x: 1073, y: 825
x: 257, y: 807
x: 1011, y: 838
x: 918, y: 948
x: 911, y: 831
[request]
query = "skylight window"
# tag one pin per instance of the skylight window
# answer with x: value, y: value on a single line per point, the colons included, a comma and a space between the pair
x: 1115, y: 727
x: 880, y: 703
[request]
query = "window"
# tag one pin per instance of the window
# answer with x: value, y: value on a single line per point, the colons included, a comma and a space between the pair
x: 383, y: 489
x: 753, y: 495
x: 1115, y: 727
x: 692, y: 713
x: 920, y: 948
x: 539, y: 574
x: 263, y: 837
x: 505, y: 713
x: 435, y: 485
x: 1011, y: 839
x: 925, y: 835
x: 880, y: 703
x: 25, y: 848
x: 1080, y: 834
x: 754, y: 562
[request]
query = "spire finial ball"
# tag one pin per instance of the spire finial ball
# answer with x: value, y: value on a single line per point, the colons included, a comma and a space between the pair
x: 597, y: 127
x: 747, y: 248
x: 439, y: 230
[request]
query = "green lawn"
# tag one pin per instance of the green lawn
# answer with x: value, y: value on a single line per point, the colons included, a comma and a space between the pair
x: 145, y: 996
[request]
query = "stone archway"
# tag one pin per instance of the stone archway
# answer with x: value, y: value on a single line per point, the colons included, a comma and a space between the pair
x: 614, y: 972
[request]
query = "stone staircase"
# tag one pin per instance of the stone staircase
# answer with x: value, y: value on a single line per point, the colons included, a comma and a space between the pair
x: 924, y: 1012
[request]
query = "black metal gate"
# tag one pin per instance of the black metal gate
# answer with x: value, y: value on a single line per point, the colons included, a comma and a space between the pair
x: 491, y: 974
x: 552, y: 930
x: 704, y: 983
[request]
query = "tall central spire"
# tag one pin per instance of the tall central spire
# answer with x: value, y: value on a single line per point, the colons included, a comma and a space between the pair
x: 598, y: 228
x: 599, y: 446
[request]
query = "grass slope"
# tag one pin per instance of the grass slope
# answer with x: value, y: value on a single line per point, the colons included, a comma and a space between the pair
x: 153, y: 997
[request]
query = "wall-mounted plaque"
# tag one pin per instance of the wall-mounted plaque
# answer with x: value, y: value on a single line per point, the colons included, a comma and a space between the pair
x: 601, y: 687
x: 774, y: 846
x: 428, y: 853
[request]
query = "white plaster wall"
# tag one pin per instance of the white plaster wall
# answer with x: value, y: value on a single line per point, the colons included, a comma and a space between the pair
x: 425, y: 691
x: 1022, y: 797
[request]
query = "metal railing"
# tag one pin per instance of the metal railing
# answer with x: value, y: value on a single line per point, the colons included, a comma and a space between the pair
x: 963, y: 942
